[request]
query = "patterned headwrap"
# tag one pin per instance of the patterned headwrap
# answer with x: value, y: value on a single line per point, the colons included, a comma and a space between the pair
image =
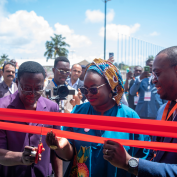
x: 112, y: 75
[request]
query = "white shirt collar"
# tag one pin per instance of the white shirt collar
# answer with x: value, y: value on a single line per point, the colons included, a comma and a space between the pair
x: 76, y: 83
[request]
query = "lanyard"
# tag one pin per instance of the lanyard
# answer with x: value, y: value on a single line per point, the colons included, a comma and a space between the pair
x: 166, y: 119
x: 166, y: 111
x: 56, y: 84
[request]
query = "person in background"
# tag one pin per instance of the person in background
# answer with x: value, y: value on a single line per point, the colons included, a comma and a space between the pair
x: 16, y: 147
x: 149, y: 100
x: 164, y: 163
x: 74, y: 80
x: 1, y: 75
x: 7, y: 86
x: 61, y: 71
x: 130, y: 78
x: 16, y: 69
x: 46, y: 81
x: 103, y: 88
x: 83, y: 73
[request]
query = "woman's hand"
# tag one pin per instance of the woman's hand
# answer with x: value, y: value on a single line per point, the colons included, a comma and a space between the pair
x: 76, y: 99
x: 55, y: 142
x: 61, y: 145
x: 79, y: 94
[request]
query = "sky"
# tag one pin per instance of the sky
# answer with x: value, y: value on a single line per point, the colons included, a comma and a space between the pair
x: 25, y: 26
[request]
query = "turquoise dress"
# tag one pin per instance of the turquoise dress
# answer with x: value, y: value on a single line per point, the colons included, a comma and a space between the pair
x: 88, y: 158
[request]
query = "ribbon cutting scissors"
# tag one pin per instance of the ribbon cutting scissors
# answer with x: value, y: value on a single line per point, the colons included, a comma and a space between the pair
x: 40, y: 146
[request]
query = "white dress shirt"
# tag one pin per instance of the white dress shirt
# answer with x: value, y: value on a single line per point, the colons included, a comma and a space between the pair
x: 74, y: 85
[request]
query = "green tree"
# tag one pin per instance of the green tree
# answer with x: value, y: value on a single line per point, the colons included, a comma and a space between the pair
x: 150, y: 57
x: 3, y: 58
x: 56, y: 47
x: 116, y: 65
x: 121, y: 66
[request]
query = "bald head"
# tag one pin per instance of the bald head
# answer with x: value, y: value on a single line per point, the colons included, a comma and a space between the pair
x: 171, y: 54
x: 76, y: 72
x: 165, y: 73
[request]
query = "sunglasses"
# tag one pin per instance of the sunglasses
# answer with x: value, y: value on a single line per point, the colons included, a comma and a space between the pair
x: 92, y: 90
x: 63, y: 72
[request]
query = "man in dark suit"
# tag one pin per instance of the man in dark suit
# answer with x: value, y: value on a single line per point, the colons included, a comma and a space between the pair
x: 164, y: 163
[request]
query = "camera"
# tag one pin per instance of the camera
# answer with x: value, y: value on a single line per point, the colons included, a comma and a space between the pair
x: 60, y: 93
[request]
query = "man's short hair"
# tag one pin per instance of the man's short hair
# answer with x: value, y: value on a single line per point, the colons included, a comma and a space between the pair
x: 30, y: 67
x: 75, y: 64
x: 60, y: 59
x: 13, y: 61
x: 8, y: 63
x: 138, y: 66
x: 149, y: 60
x: 171, y: 53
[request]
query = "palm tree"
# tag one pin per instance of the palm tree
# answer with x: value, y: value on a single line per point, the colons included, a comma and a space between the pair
x: 3, y: 58
x: 55, y: 47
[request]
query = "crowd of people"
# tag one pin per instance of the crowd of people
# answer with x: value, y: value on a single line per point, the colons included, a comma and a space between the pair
x: 97, y: 89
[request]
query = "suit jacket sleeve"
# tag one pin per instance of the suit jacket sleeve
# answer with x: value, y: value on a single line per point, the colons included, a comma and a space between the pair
x: 135, y: 87
x: 154, y: 169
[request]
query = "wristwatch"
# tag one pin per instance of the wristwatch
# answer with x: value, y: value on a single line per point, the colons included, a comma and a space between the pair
x: 132, y: 165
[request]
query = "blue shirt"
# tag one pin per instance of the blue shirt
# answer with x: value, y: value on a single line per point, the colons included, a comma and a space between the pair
x: 88, y: 159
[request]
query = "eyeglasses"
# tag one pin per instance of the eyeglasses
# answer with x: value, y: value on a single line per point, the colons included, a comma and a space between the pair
x: 36, y: 92
x: 63, y: 72
x: 92, y: 90
x: 154, y: 76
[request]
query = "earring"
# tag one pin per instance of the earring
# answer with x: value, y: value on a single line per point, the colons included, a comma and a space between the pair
x: 110, y: 95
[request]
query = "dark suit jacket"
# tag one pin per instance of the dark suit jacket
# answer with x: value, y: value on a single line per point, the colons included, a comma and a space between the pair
x: 154, y: 169
x: 80, y: 84
x: 165, y: 163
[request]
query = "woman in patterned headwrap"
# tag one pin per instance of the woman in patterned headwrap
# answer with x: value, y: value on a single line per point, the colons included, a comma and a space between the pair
x: 103, y: 88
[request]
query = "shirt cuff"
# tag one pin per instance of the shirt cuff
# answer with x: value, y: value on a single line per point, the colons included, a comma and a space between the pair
x: 138, y: 78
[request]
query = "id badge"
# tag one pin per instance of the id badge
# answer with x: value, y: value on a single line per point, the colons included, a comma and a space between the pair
x: 136, y: 98
x: 147, y: 96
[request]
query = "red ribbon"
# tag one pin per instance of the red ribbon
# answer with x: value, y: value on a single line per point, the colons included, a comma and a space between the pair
x: 129, y: 125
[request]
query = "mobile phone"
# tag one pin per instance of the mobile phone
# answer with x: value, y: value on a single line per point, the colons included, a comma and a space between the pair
x: 111, y: 55
x: 147, y: 69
